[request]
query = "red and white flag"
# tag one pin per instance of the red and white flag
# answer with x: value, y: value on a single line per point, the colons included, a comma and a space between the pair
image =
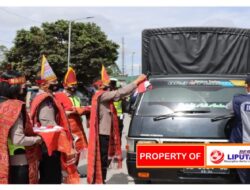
x: 143, y: 87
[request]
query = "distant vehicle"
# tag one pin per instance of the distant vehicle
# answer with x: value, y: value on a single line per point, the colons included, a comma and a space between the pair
x: 195, y: 72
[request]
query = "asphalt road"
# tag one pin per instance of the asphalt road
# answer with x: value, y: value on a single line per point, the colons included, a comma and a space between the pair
x: 114, y: 176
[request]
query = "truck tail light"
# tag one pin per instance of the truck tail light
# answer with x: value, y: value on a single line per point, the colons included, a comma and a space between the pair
x: 143, y: 174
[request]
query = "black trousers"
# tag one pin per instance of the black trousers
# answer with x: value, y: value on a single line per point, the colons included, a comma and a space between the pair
x: 244, y: 175
x: 120, y: 127
x: 104, y: 146
x: 19, y: 174
x: 50, y: 168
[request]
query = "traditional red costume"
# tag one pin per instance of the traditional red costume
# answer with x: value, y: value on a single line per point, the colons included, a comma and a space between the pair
x: 10, y: 110
x: 74, y: 119
x: 63, y: 142
x: 59, y: 141
x: 94, y: 174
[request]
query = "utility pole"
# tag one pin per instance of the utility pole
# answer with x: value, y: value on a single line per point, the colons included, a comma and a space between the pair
x: 69, y: 37
x: 132, y: 65
x: 69, y: 42
x: 123, y: 56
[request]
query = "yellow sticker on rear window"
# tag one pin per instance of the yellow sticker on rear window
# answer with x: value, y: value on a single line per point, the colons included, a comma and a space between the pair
x: 238, y: 82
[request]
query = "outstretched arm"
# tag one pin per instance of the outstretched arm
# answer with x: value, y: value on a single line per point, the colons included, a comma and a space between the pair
x: 122, y: 92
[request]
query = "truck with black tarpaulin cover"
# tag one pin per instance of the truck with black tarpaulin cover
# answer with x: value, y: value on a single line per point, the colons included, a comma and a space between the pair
x: 195, y: 72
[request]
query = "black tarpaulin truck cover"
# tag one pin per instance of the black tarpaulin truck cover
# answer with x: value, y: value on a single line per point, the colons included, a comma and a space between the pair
x: 187, y: 50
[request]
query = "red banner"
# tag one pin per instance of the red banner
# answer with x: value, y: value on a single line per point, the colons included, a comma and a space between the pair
x: 170, y: 156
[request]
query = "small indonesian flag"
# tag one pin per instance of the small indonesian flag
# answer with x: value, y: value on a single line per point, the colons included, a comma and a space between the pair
x: 105, y: 76
x: 143, y: 87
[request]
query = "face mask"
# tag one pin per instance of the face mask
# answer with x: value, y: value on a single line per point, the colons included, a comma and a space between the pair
x: 72, y: 89
x: 53, y: 87
x: 107, y: 88
x: 22, y: 95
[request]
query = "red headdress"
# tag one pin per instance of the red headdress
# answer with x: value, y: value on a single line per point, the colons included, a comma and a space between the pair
x: 70, y: 78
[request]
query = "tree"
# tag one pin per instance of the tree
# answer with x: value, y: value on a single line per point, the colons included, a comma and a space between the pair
x: 89, y: 49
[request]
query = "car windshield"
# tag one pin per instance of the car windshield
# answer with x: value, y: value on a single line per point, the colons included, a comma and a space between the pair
x: 168, y: 96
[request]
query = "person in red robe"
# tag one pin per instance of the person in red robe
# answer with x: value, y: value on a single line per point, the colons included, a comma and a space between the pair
x: 19, y: 145
x: 72, y: 106
x: 104, y: 135
x: 57, y: 150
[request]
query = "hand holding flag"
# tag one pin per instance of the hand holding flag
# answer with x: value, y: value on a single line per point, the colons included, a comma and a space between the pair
x: 142, y: 84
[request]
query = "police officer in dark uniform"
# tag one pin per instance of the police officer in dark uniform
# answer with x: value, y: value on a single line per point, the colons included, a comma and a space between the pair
x: 240, y: 106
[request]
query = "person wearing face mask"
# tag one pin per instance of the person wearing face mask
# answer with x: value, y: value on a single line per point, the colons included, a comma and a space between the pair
x: 46, y: 111
x: 18, y: 143
x: 72, y: 106
x: 240, y: 132
x: 104, y: 135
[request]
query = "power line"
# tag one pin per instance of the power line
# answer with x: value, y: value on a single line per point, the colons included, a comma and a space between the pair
x: 20, y: 16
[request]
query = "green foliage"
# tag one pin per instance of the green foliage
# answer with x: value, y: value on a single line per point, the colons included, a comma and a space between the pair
x: 89, y: 49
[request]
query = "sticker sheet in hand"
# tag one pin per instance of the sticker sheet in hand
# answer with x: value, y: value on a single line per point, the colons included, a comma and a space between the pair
x: 54, y: 138
x: 47, y: 129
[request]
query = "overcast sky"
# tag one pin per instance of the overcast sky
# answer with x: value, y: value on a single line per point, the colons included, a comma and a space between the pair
x: 118, y: 22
